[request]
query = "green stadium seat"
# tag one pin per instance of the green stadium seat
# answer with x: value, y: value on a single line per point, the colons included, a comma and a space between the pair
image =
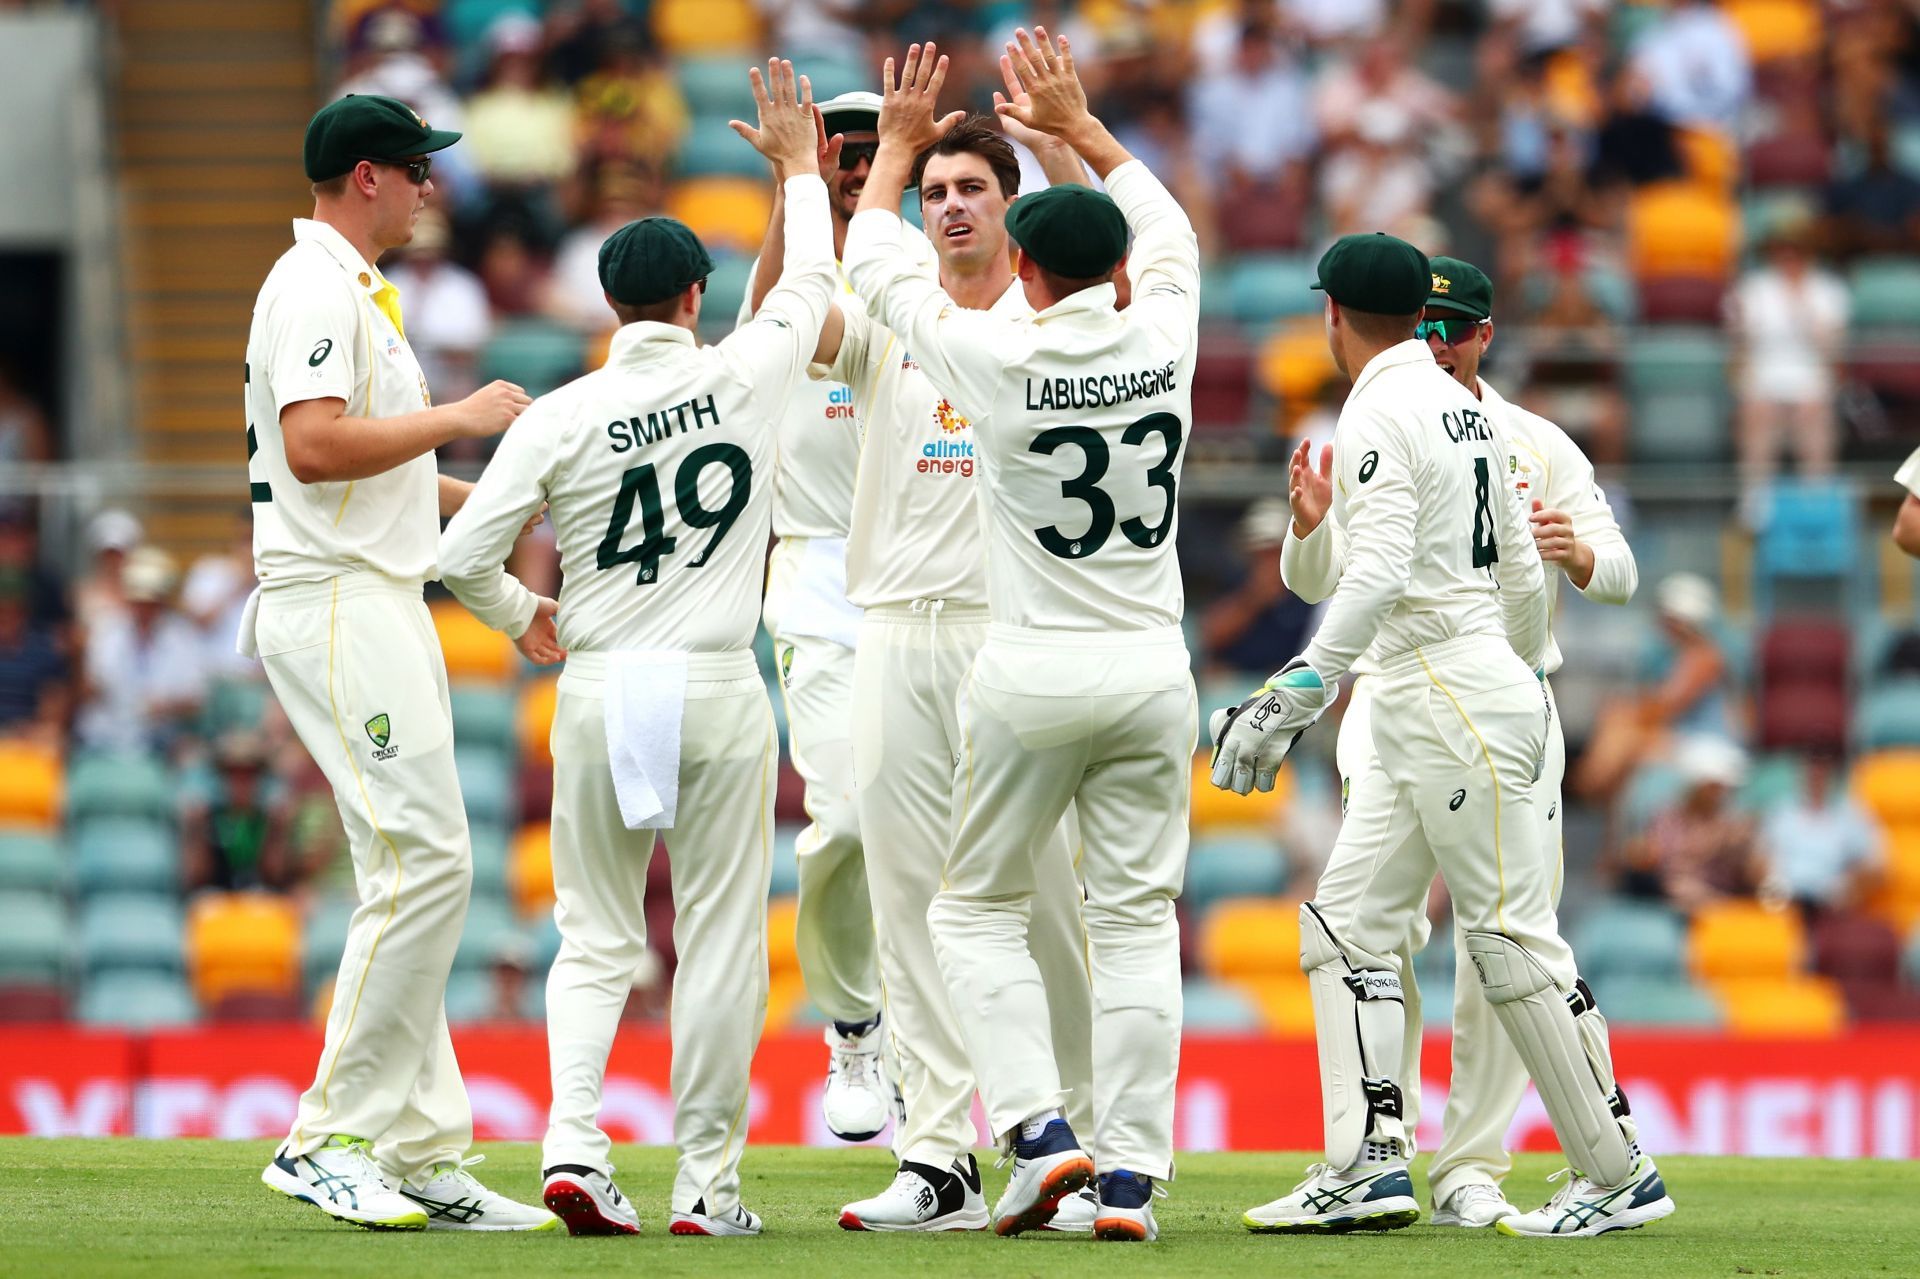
x: 1647, y: 1001
x: 1680, y: 426
x: 1771, y: 782
x: 1910, y: 960
x: 1216, y: 1006
x: 324, y: 939
x: 1224, y: 866
x: 1216, y: 301
x: 118, y: 786
x: 486, y: 784
x: 537, y: 354
x: 1263, y: 287
x: 484, y: 716
x: 466, y: 21
x: 1436, y: 995
x: 831, y: 76
x: 138, y: 1001
x: 490, y: 850
x: 490, y: 923
x: 31, y: 860
x: 131, y: 931
x: 235, y: 704
x: 711, y: 149
x: 33, y: 937
x: 1673, y: 358
x: 1885, y: 293
x: 121, y: 854
x: 718, y: 87
x: 1629, y: 939
x: 546, y: 942
x: 469, y: 996
x: 1653, y: 786
x: 726, y: 288
x: 1889, y: 715
x: 786, y: 865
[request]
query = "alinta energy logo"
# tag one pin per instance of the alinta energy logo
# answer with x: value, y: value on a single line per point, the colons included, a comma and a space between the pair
x: 945, y: 455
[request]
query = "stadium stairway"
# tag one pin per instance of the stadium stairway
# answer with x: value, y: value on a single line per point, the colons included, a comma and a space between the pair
x: 209, y: 102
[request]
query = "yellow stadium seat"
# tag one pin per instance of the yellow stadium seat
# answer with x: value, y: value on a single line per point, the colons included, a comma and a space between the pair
x: 1711, y: 158
x: 1776, y: 29
x: 727, y: 211
x: 474, y: 650
x: 705, y: 26
x: 533, y: 720
x: 783, y: 955
x: 1896, y: 898
x: 1790, y: 1006
x: 1285, y: 1003
x: 29, y: 785
x: 1682, y: 228
x: 1887, y: 783
x: 1251, y: 937
x: 786, y: 996
x: 1745, y: 940
x: 530, y: 869
x: 242, y: 943
x: 1294, y: 363
x: 1211, y: 808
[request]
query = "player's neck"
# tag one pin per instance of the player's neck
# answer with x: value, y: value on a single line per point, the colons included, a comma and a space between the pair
x: 976, y: 290
x: 839, y: 237
x: 359, y: 236
x: 1360, y: 352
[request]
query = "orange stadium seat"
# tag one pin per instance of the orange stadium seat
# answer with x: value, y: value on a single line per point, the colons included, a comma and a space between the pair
x: 783, y: 954
x: 1887, y: 783
x: 1285, y: 1003
x: 1213, y: 809
x: 1251, y: 937
x: 473, y: 649
x: 1294, y: 363
x: 786, y: 997
x: 1776, y: 29
x: 242, y: 944
x: 1896, y: 898
x: 1745, y: 940
x: 1796, y: 1006
x: 1682, y: 228
x: 1712, y: 159
x: 533, y: 719
x: 30, y: 787
x: 725, y: 211
x: 705, y: 26
x: 530, y: 869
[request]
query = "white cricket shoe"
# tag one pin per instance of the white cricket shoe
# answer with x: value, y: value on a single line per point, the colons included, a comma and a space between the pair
x: 1124, y: 1208
x: 454, y: 1199
x: 1076, y: 1213
x: 587, y: 1201
x: 342, y: 1180
x: 923, y: 1197
x: 1045, y: 1171
x: 1581, y: 1209
x: 698, y: 1222
x: 1371, y: 1197
x: 1474, y: 1206
x: 859, y: 1098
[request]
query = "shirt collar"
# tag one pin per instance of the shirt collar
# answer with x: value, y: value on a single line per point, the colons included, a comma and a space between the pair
x: 634, y: 342
x: 1411, y: 351
x: 358, y: 269
x: 1488, y: 395
x: 1081, y: 303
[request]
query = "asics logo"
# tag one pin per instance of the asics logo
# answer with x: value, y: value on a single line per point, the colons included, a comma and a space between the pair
x: 1459, y: 798
x: 321, y: 350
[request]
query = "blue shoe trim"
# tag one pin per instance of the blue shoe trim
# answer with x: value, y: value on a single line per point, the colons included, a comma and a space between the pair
x: 1394, y: 1183
x: 1056, y: 1138
x: 1123, y: 1189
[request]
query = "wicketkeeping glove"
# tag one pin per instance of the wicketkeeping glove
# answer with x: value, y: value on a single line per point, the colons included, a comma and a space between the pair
x: 1252, y: 739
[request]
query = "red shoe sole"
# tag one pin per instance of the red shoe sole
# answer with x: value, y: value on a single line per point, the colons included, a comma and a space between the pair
x: 1119, y: 1228
x: 850, y: 1222
x: 1060, y: 1183
x: 577, y: 1211
x: 689, y: 1228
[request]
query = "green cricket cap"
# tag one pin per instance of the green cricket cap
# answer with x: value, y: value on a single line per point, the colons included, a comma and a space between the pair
x: 1378, y: 273
x: 1460, y: 286
x: 365, y: 126
x: 1071, y: 230
x: 650, y: 260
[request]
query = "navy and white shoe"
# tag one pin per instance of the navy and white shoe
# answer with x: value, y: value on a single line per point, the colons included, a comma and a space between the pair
x: 1581, y: 1209
x: 1370, y: 1197
x: 700, y: 1222
x: 454, y: 1199
x: 587, y: 1201
x: 1076, y: 1213
x: 342, y: 1180
x: 1045, y: 1170
x: 858, y: 1099
x: 923, y: 1197
x: 1126, y: 1208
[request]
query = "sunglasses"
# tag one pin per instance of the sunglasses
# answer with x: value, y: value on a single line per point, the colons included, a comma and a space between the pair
x: 1450, y: 332
x: 852, y: 153
x: 417, y: 170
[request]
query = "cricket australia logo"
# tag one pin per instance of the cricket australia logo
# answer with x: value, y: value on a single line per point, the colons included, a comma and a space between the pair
x: 380, y: 733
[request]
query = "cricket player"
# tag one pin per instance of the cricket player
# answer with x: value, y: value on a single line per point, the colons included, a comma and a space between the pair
x: 1575, y: 531
x: 1906, y: 524
x: 1444, y: 591
x: 813, y: 627
x: 346, y: 520
x: 1082, y: 692
x: 917, y: 566
x: 655, y: 471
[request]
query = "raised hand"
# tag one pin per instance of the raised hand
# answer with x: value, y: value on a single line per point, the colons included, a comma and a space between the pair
x: 1309, y: 491
x: 1044, y: 92
x: 491, y: 409
x: 907, y: 123
x: 790, y: 129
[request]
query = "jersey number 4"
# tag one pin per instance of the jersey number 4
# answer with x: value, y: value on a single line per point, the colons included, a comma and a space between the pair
x: 642, y: 485
x: 1486, y: 549
x: 1085, y: 487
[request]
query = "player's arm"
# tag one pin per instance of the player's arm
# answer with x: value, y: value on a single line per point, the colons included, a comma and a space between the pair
x: 1906, y: 526
x: 1575, y: 531
x: 477, y: 541
x: 1517, y: 568
x: 852, y: 360
x: 1314, y: 551
x: 773, y: 249
x: 1373, y: 462
x: 453, y: 495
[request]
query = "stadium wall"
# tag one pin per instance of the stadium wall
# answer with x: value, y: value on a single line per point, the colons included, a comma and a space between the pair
x: 1854, y: 1096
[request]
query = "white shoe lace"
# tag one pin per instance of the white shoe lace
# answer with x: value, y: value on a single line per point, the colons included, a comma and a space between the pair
x: 1576, y: 1184
x: 458, y: 1173
x: 1314, y: 1174
x: 360, y: 1163
x: 1478, y: 1192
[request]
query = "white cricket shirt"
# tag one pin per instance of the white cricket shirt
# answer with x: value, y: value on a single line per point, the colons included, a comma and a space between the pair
x: 658, y: 473
x: 318, y: 334
x: 1908, y: 476
x: 1080, y: 414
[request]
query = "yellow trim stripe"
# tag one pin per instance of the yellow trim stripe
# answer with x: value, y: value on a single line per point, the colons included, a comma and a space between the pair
x: 1499, y: 856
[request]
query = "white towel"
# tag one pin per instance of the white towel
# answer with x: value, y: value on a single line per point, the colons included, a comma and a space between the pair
x: 246, y: 643
x: 817, y: 600
x: 646, y: 694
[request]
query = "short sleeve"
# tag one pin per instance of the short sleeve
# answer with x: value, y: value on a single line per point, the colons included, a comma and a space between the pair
x: 1909, y: 473
x: 310, y: 343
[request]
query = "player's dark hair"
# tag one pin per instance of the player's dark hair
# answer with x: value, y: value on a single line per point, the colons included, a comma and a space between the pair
x: 665, y: 311
x: 976, y: 135
x: 1375, y: 327
x: 334, y: 186
x: 1061, y: 286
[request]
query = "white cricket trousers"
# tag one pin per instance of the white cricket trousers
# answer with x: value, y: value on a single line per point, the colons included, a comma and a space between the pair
x: 1104, y: 721
x: 720, y: 851
x: 357, y: 667
x: 833, y: 930
x: 1442, y: 760
x: 910, y: 663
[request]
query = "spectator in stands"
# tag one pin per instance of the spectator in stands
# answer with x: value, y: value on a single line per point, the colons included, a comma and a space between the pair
x: 578, y: 35
x: 1701, y: 849
x: 1252, y: 130
x: 35, y: 693
x: 447, y: 315
x: 1788, y: 321
x: 1258, y: 626
x: 1379, y: 181
x: 1383, y: 71
x: 513, y: 271
x: 1542, y: 26
x: 234, y: 829
x: 1573, y: 352
x: 46, y: 596
x: 520, y: 129
x: 1635, y: 144
x: 1697, y: 68
x: 622, y: 191
x: 510, y: 969
x: 214, y: 599
x: 1824, y: 848
x: 801, y: 27
x: 1689, y: 692
x: 1876, y: 210
x: 24, y: 434
x: 143, y: 676
x: 630, y: 109
x: 1336, y: 22
x: 100, y: 595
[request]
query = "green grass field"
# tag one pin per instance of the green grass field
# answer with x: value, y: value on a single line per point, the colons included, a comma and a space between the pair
x: 81, y: 1208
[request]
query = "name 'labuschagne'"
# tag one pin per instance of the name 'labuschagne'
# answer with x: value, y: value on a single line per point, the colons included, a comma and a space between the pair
x: 1098, y: 390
